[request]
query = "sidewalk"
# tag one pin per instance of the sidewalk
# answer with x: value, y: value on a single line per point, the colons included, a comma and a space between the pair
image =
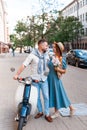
x: 8, y: 86
x: 2, y: 54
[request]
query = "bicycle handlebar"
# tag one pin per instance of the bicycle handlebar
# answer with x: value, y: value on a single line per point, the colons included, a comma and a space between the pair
x: 26, y: 80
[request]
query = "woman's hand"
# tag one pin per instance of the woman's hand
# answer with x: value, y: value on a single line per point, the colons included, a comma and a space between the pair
x: 58, y: 69
x: 55, y: 68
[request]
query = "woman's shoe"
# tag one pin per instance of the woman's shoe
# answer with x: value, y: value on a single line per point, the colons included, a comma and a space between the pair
x: 55, y: 115
x: 72, y: 112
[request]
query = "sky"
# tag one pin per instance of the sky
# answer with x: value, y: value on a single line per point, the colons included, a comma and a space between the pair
x: 18, y: 9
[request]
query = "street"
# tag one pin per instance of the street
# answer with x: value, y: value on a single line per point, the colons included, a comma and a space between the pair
x: 75, y: 83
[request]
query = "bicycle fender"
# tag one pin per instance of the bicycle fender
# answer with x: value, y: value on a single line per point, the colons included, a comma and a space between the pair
x: 23, y: 111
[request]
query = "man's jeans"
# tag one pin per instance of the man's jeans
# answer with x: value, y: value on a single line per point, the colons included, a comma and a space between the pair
x: 44, y: 87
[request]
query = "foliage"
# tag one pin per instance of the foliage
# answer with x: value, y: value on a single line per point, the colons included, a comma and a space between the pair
x: 51, y: 26
x: 64, y: 30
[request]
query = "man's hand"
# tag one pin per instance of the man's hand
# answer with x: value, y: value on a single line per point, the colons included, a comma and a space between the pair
x: 22, y: 67
x: 15, y: 77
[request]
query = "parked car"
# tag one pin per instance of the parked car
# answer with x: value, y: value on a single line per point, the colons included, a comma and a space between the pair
x: 28, y: 50
x: 77, y: 57
x: 50, y: 51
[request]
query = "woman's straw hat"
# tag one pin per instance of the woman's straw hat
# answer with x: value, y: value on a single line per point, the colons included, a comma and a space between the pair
x: 61, y: 46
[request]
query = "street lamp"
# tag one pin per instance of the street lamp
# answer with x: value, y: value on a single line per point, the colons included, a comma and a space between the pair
x: 0, y: 48
x: 77, y: 8
x: 77, y: 18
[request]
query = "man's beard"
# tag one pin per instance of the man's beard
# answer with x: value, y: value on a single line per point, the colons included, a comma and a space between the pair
x: 44, y: 51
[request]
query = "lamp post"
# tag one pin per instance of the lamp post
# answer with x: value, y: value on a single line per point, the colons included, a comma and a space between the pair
x: 77, y: 8
x: 0, y: 48
x: 77, y: 18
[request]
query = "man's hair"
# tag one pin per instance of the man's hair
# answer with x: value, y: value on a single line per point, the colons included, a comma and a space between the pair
x: 42, y: 41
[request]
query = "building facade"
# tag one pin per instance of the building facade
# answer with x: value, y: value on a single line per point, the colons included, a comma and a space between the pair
x: 78, y: 8
x: 4, y: 33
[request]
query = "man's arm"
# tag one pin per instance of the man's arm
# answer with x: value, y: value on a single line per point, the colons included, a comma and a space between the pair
x: 27, y: 61
x: 22, y: 67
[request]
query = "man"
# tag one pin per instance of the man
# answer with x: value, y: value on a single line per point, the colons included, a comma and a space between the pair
x: 38, y: 62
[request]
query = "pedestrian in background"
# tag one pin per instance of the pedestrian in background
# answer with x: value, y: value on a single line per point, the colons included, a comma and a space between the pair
x: 13, y: 51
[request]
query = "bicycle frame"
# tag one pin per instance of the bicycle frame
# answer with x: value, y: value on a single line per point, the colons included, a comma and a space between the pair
x: 25, y: 104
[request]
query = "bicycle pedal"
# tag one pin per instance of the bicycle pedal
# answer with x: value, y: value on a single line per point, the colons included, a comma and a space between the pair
x: 17, y: 118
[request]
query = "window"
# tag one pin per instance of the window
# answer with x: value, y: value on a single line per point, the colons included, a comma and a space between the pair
x: 83, y: 17
x: 80, y: 4
x: 86, y: 31
x: 86, y: 17
x: 86, y: 2
x: 85, y: 45
x: 83, y: 2
x: 83, y: 31
x: 80, y: 17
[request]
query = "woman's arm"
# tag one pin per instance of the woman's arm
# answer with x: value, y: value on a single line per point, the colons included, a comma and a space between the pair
x: 62, y: 71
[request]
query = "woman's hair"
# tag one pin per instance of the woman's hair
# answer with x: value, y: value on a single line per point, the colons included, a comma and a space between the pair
x: 57, y: 48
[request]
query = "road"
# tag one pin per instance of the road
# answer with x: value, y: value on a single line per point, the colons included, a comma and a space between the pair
x: 75, y: 83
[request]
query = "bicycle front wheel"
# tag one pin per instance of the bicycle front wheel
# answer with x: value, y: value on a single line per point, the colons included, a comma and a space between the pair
x: 21, y: 123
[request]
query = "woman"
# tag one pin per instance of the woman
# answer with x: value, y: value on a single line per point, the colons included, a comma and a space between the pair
x: 57, y: 94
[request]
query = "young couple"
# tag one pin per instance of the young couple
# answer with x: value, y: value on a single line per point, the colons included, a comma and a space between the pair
x: 47, y: 77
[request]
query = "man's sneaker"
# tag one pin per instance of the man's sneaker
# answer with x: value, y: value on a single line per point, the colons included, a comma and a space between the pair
x: 55, y: 115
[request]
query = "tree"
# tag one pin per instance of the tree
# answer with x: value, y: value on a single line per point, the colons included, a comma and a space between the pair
x: 64, y: 30
x: 52, y: 26
x: 21, y: 29
x: 21, y: 37
x: 69, y: 29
